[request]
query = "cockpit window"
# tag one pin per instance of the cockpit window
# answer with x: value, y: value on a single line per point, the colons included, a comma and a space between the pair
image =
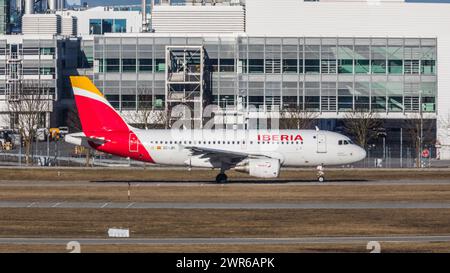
x: 340, y: 142
x: 345, y: 142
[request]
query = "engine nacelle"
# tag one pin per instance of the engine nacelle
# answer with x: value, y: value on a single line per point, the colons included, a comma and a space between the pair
x: 263, y: 168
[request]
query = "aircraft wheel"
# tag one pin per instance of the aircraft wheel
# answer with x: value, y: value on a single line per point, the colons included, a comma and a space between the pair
x: 321, y: 179
x: 221, y: 178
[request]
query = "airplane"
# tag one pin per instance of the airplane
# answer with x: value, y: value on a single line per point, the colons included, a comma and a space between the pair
x: 260, y: 153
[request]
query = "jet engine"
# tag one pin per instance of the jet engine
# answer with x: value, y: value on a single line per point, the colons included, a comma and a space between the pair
x: 260, y: 167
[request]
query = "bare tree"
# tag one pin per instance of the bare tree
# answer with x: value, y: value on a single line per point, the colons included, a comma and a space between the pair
x: 146, y: 116
x: 27, y: 106
x: 362, y: 124
x: 74, y: 123
x: 297, y: 118
x: 420, y: 132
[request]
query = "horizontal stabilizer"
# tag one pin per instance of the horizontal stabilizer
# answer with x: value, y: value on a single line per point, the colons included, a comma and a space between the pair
x: 81, y: 139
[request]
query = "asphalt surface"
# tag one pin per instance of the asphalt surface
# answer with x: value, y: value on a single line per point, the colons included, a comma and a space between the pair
x: 229, y: 205
x: 226, y: 241
x: 156, y: 183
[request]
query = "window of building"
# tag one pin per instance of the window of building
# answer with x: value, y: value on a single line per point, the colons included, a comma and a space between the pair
x: 395, y: 104
x: 120, y: 25
x: 255, y: 66
x: 378, y: 103
x: 226, y: 65
x: 129, y: 65
x: 160, y: 65
x: 47, y: 51
x: 395, y: 67
x: 128, y: 101
x: 102, y: 26
x: 345, y: 103
x: 428, y: 67
x: 112, y: 65
x: 290, y: 102
x: 256, y: 100
x: 114, y: 100
x: 312, y: 103
x: 273, y: 66
x: 412, y: 66
x: 345, y: 66
x: 395, y: 59
x: 312, y: 66
x: 362, y: 66
x: 145, y: 101
x: 290, y: 66
x: 107, y: 25
x: 95, y: 26
x: 159, y: 102
x: 428, y: 104
x: 145, y: 65
x: 379, y: 66
x: 214, y: 63
x: 362, y: 103
x: 47, y: 71
x: 328, y: 66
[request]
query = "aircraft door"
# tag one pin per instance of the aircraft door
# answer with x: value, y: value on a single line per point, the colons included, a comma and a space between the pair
x: 321, y: 143
x: 133, y: 143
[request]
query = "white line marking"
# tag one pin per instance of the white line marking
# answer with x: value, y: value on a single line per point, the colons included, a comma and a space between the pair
x: 30, y: 205
x: 104, y: 205
x: 129, y: 205
x: 55, y: 205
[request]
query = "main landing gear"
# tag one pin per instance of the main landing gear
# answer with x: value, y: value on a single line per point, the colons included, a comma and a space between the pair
x: 320, y: 173
x: 221, y: 178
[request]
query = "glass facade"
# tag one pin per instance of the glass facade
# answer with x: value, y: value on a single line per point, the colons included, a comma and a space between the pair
x: 4, y: 16
x: 102, y: 26
x: 315, y: 74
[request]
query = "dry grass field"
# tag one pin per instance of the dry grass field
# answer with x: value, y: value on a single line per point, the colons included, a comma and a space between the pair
x: 158, y: 185
x: 159, y: 174
x: 241, y: 248
x: 199, y: 223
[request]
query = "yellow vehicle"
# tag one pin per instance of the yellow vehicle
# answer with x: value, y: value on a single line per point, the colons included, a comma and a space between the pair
x: 55, y: 133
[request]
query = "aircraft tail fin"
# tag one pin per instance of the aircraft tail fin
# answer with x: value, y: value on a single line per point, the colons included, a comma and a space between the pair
x: 95, y: 112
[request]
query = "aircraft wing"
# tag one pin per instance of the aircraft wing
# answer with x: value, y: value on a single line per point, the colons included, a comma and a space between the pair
x: 229, y: 157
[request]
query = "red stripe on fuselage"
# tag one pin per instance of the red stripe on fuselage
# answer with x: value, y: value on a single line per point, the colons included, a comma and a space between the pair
x: 101, y: 121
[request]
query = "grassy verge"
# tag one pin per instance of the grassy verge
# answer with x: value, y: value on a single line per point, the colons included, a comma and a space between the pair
x: 174, y: 223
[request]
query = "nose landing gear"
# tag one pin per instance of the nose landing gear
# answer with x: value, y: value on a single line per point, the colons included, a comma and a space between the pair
x: 320, y: 173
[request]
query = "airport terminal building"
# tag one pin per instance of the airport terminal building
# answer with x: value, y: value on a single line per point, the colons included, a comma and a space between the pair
x: 330, y: 57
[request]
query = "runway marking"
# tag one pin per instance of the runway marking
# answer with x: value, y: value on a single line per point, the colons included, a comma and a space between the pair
x: 231, y: 240
x: 56, y: 204
x: 230, y: 205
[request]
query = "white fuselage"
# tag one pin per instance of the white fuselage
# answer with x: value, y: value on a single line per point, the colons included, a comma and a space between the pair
x: 292, y: 147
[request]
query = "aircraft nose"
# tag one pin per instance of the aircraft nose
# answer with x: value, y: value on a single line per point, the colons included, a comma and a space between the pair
x: 361, y: 153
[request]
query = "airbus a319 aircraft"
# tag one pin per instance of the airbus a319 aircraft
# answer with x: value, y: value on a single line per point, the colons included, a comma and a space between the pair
x: 260, y: 153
